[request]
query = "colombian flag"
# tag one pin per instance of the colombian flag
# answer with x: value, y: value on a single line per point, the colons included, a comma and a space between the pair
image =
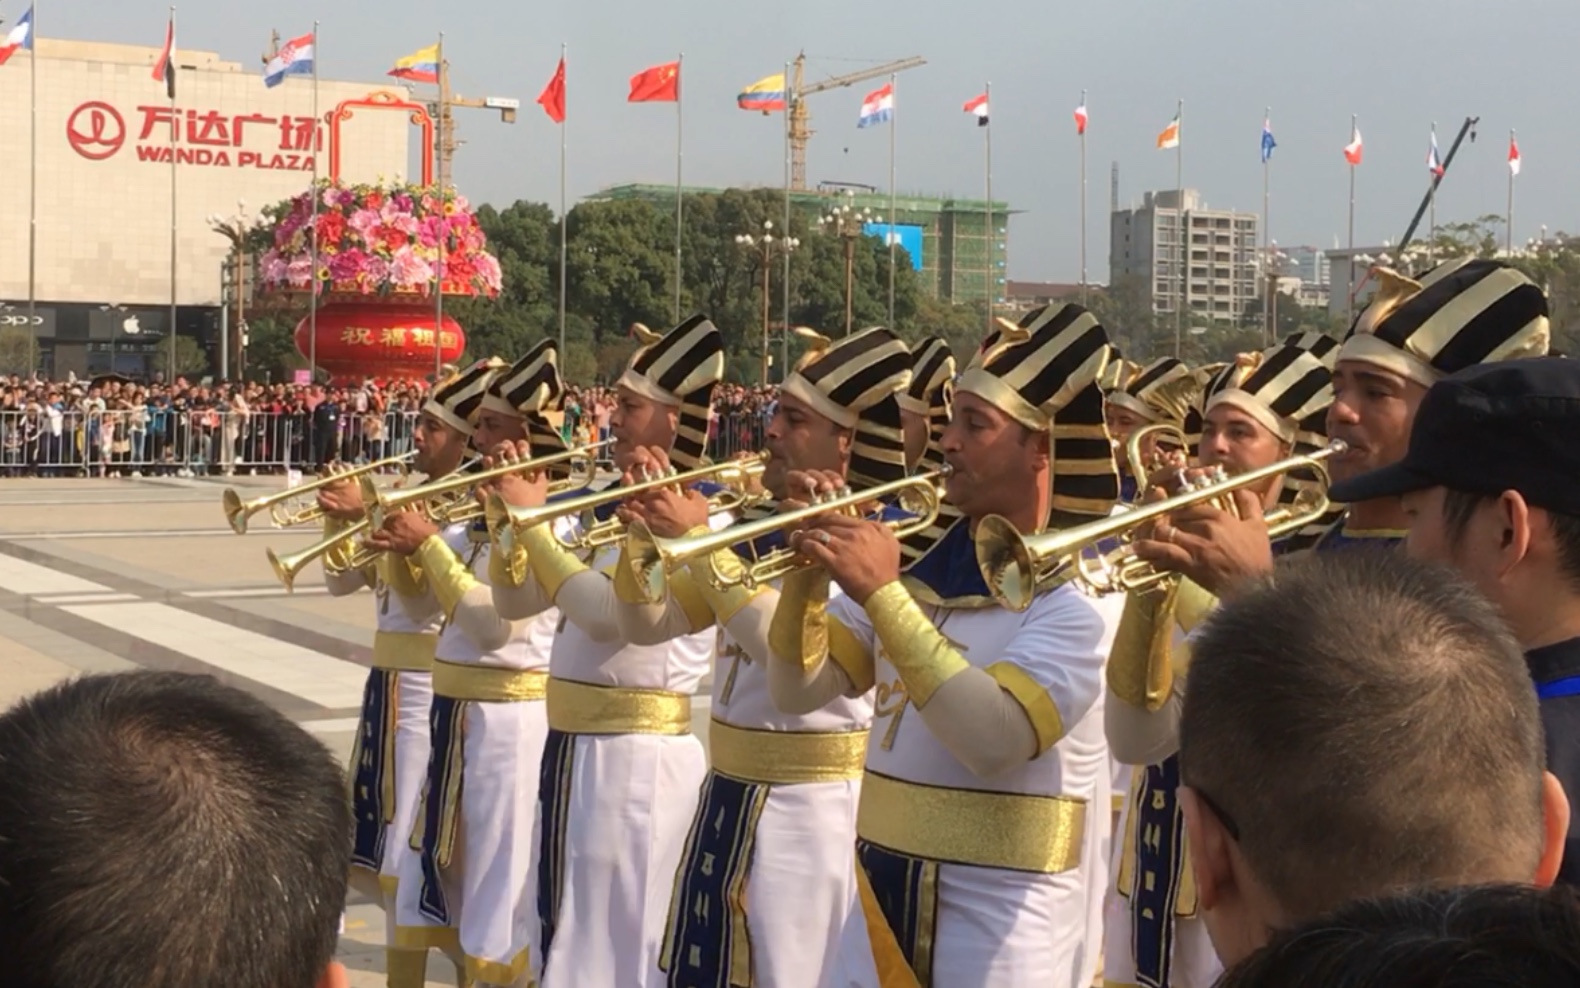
x: 421, y: 66
x: 766, y: 95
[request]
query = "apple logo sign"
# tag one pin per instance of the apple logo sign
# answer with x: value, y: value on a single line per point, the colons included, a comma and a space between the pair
x: 131, y: 327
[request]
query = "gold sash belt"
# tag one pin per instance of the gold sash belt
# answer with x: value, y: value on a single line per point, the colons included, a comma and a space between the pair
x: 580, y: 708
x: 785, y: 757
x: 488, y: 684
x: 404, y: 651
x: 966, y: 826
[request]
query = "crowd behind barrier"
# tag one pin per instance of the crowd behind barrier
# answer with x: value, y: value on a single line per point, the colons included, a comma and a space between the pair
x: 114, y: 427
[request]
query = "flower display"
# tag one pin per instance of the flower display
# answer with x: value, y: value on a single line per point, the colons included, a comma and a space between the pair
x: 379, y: 240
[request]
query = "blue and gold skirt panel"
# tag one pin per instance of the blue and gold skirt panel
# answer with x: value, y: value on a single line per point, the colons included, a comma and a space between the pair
x: 707, y: 942
x: 373, y: 768
x: 435, y: 833
x: 1154, y: 875
x: 554, y: 807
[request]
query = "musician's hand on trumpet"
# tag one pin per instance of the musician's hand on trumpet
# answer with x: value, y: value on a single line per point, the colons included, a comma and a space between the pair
x: 862, y: 556
x: 803, y: 487
x: 643, y: 463
x: 1219, y: 550
x: 666, y: 512
x: 523, y: 490
x: 403, y: 533
x: 341, y: 499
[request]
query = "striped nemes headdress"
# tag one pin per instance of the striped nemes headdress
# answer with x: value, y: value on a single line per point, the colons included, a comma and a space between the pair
x: 854, y: 383
x: 1162, y: 391
x: 680, y: 368
x: 931, y: 393
x: 1119, y: 371
x: 1044, y: 373
x: 457, y: 396
x: 1461, y: 313
x: 530, y: 389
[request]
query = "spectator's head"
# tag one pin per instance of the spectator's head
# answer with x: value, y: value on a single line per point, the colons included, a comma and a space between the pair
x: 1472, y: 937
x: 163, y: 830
x: 1489, y: 486
x: 1360, y: 724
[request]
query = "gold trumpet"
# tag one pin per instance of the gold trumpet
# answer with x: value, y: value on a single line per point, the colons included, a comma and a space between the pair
x: 652, y: 558
x: 290, y: 566
x: 506, y: 521
x: 1166, y: 432
x: 1015, y: 565
x: 238, y: 512
x: 439, y: 493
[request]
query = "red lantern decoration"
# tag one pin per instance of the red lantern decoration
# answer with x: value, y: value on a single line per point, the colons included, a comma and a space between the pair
x: 372, y: 337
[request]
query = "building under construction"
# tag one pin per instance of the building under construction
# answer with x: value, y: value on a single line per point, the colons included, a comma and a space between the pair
x: 948, y: 239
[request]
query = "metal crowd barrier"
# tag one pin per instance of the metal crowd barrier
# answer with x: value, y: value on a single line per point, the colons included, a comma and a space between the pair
x: 193, y: 443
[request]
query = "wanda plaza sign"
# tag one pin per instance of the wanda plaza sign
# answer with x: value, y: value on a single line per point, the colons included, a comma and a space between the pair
x: 98, y: 131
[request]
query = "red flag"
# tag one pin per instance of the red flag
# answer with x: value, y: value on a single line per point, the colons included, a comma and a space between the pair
x: 165, y: 66
x: 659, y: 84
x: 552, y: 99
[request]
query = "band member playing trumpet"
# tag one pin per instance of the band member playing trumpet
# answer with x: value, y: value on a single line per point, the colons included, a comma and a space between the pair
x: 390, y: 760
x: 1413, y: 333
x: 767, y: 880
x: 1157, y: 394
x: 621, y: 769
x: 469, y: 884
x: 1254, y: 413
x: 983, y: 822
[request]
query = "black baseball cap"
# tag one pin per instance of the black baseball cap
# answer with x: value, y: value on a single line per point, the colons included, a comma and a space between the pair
x: 1511, y: 425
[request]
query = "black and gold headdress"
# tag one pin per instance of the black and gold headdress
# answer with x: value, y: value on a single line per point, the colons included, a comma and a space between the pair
x: 456, y: 398
x: 680, y: 368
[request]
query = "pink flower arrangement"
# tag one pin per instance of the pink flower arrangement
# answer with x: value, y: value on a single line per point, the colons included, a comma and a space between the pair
x: 379, y: 240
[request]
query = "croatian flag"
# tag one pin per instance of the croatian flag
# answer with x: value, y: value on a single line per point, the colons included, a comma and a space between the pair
x: 295, y: 58
x: 1434, y: 163
x: 878, y: 107
x: 20, y: 36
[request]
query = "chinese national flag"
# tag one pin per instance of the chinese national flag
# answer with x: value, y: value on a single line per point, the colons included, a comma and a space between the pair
x: 552, y: 99
x: 659, y: 84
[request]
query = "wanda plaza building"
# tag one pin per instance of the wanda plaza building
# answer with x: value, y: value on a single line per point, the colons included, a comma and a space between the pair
x: 104, y: 135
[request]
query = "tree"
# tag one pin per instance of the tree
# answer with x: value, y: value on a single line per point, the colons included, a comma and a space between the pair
x: 18, y: 351
x: 271, y: 347
x: 190, y: 358
x: 619, y: 273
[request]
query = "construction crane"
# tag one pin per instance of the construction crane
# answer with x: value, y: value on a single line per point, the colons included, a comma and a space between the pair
x: 801, y: 117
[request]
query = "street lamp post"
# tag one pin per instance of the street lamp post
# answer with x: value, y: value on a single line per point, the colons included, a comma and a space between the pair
x: 766, y: 243
x: 1274, y: 263
x: 235, y: 229
x: 848, y: 223
x: 115, y: 329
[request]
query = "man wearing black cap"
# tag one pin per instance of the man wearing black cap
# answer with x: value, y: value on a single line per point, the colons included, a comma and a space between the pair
x: 1489, y: 486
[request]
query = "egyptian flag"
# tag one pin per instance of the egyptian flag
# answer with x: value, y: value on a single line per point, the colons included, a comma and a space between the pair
x: 165, y: 65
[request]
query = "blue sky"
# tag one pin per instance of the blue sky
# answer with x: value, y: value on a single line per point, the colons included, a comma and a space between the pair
x: 1399, y: 64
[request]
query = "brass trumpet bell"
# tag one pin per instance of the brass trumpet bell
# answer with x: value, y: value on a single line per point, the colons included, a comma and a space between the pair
x: 1016, y: 565
x: 239, y: 512
x: 290, y: 566
x: 442, y: 493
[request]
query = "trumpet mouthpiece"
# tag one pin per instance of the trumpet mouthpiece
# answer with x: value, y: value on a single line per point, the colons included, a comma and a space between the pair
x: 1338, y: 446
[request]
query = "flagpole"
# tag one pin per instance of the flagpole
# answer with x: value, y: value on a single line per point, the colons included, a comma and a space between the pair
x: 987, y: 92
x: 784, y: 329
x: 1349, y: 311
x: 894, y: 123
x: 175, y: 126
x: 32, y: 190
x: 1179, y: 227
x: 1431, y: 220
x: 679, y: 159
x: 438, y: 274
x: 312, y: 295
x: 1508, y: 223
x: 1270, y: 299
x: 1083, y: 205
x: 564, y: 257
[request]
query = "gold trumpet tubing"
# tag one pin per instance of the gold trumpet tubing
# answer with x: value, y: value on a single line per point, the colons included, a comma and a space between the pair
x: 289, y: 566
x: 1138, y: 466
x: 652, y: 558
x: 238, y: 511
x: 506, y: 518
x: 386, y: 501
x: 1014, y: 564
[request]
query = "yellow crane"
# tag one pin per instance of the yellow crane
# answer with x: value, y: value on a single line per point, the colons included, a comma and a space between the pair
x: 801, y: 117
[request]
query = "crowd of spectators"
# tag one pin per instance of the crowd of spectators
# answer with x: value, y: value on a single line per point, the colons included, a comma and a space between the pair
x: 113, y: 426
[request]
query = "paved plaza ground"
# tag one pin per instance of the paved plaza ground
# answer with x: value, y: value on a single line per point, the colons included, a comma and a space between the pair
x: 106, y: 575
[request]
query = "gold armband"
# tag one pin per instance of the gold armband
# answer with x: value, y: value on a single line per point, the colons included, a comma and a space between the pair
x: 339, y: 554
x: 1034, y: 699
x: 402, y: 575
x: 923, y: 657
x: 448, y: 573
x: 727, y: 601
x: 1140, y: 672
x: 550, y: 561
x: 506, y: 569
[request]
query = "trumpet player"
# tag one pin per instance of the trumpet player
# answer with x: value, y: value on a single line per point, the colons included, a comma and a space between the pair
x: 1254, y: 413
x: 1157, y: 394
x: 468, y: 886
x: 1462, y: 313
x: 982, y: 823
x: 390, y: 760
x: 621, y: 768
x: 767, y: 879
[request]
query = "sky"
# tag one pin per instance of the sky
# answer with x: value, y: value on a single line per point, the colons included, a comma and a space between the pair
x: 1399, y: 65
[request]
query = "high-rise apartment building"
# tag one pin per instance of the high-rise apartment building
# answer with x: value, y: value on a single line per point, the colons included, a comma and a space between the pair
x: 1222, y: 257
